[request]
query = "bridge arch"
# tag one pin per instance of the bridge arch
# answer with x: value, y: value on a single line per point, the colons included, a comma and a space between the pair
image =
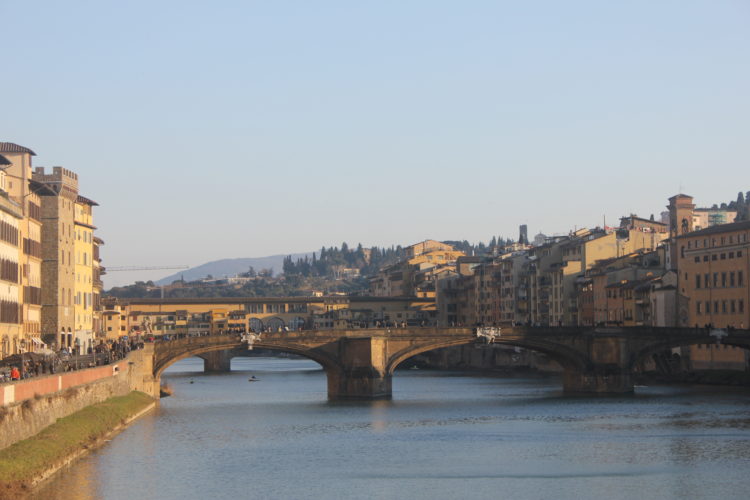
x: 566, y: 357
x: 275, y: 324
x: 645, y: 352
x: 256, y: 325
x: 328, y: 363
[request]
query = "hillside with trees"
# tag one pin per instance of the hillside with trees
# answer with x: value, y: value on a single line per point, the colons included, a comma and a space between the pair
x: 741, y: 204
x: 343, y: 269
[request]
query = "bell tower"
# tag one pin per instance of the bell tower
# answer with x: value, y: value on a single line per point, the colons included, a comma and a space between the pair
x: 680, y: 215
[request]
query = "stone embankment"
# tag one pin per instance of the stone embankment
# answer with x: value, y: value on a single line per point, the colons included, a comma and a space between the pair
x: 28, y: 406
x: 28, y: 463
x: 83, y: 406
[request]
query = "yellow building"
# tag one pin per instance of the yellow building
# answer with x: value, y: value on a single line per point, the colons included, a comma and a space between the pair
x: 23, y: 194
x: 83, y: 291
x: 415, y: 275
x: 114, y: 320
x: 11, y: 330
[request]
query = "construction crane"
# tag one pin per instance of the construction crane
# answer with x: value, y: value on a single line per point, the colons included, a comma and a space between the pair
x: 146, y: 268
x: 137, y: 268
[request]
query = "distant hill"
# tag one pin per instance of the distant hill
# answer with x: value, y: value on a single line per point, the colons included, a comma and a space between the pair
x: 231, y: 267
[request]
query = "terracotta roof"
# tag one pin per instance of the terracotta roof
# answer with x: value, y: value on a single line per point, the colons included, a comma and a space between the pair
x: 83, y: 199
x: 721, y: 228
x: 4, y: 160
x: 9, y: 147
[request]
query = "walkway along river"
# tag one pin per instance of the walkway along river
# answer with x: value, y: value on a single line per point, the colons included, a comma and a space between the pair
x: 445, y: 435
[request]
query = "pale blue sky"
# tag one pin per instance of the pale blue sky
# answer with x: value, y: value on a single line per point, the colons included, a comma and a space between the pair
x: 246, y: 128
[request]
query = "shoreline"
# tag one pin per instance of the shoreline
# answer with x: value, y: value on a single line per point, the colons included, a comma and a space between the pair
x: 69, y: 453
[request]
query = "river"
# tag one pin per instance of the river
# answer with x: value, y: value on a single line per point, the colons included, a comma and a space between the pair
x: 445, y: 435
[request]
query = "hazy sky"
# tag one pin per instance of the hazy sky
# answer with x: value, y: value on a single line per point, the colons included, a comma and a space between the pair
x: 220, y: 129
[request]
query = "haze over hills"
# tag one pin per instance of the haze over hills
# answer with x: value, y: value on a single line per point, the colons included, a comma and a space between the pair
x: 231, y: 267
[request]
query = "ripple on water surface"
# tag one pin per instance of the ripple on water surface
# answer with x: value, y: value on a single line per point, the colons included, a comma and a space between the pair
x: 444, y: 435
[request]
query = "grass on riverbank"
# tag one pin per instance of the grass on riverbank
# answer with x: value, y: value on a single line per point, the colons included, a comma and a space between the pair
x: 21, y: 462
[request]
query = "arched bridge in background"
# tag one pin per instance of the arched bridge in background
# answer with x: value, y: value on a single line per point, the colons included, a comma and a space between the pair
x: 360, y: 363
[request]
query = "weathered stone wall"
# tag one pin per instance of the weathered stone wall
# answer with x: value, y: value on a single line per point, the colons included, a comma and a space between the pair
x: 40, y: 402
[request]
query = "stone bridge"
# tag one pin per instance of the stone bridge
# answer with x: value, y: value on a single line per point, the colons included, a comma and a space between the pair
x: 360, y: 363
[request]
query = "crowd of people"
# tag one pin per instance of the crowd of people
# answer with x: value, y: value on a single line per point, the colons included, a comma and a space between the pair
x: 28, y: 365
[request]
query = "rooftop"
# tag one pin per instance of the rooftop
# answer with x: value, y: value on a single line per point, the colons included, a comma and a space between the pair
x: 86, y: 201
x: 721, y: 228
x: 9, y: 147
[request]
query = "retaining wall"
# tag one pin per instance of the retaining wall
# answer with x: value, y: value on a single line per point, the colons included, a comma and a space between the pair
x: 31, y: 405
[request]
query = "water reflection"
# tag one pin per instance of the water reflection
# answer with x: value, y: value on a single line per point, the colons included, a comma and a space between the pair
x: 378, y: 412
x: 442, y: 436
x: 80, y: 482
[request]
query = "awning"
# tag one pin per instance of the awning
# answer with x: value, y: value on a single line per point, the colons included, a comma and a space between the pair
x: 37, y: 341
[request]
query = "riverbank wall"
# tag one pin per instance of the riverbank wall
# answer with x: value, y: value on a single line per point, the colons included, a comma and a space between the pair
x: 29, y: 406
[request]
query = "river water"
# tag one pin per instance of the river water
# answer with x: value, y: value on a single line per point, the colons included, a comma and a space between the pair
x: 445, y: 435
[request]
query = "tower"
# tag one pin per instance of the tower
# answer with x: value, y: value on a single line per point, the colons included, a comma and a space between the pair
x: 680, y: 215
x: 523, y: 236
x: 680, y: 222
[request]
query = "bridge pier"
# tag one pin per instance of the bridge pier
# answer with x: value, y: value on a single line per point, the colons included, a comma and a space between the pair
x: 608, y: 373
x: 217, y: 362
x: 362, y: 374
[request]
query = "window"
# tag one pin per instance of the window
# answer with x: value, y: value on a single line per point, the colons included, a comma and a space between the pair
x: 723, y: 280
x: 698, y: 308
x: 723, y: 256
x: 731, y: 255
x: 741, y: 305
x: 739, y: 278
x: 706, y: 281
x: 716, y: 280
x: 713, y: 257
x: 732, y: 307
x: 697, y: 259
x: 697, y: 281
x: 731, y: 278
x: 707, y: 305
x: 739, y: 253
x: 716, y: 307
x: 723, y: 306
x: 705, y: 258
